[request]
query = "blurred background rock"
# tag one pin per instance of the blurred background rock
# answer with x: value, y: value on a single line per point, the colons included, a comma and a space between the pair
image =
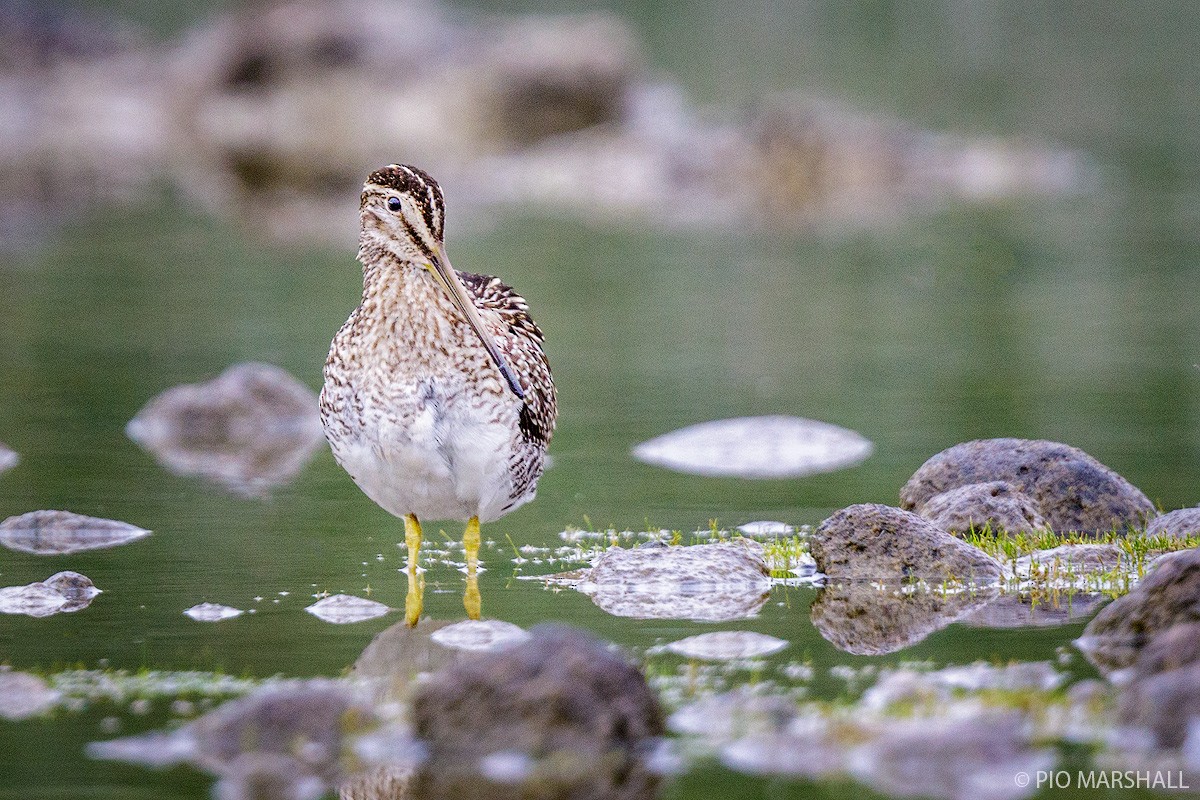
x: 273, y: 111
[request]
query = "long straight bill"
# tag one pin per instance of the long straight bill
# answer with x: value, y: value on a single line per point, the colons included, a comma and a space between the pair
x: 458, y: 293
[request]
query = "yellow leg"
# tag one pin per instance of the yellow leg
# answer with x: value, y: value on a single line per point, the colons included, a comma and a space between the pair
x: 471, y: 599
x: 412, y: 538
x: 414, y: 601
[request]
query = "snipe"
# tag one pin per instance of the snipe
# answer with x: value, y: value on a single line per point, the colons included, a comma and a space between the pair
x: 438, y: 399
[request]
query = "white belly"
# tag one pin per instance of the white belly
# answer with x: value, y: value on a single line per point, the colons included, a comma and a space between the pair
x: 434, y: 460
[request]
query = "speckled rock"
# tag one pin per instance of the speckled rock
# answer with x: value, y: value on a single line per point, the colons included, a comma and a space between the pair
x: 1178, y: 646
x: 1178, y: 523
x: 708, y: 582
x: 306, y: 722
x: 1164, y: 703
x: 1167, y: 596
x: 995, y: 504
x: 954, y: 760
x: 881, y: 543
x: 562, y: 703
x: 284, y: 740
x: 1072, y: 490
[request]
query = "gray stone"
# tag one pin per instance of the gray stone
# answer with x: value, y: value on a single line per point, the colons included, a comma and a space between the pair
x: 881, y: 543
x: 708, y: 582
x: 954, y: 760
x: 995, y: 504
x: 23, y: 695
x: 1164, y: 703
x: 1073, y: 491
x: 561, y: 702
x: 1176, y: 647
x: 306, y: 721
x: 285, y: 741
x: 1167, y: 596
x: 1177, y: 524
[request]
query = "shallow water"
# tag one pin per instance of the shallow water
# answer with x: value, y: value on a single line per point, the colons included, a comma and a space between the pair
x: 1070, y: 318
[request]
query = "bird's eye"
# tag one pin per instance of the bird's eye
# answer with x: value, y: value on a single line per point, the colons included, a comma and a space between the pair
x: 393, y: 204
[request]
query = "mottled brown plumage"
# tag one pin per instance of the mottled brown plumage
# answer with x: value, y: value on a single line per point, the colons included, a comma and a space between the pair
x: 438, y: 398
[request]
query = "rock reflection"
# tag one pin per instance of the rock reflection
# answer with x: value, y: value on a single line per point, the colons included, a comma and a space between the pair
x: 61, y: 532
x: 756, y: 447
x: 1021, y: 611
x: 709, y: 582
x: 62, y: 593
x: 874, y: 619
x: 251, y: 428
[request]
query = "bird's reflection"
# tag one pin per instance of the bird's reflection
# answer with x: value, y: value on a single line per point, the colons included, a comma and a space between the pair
x: 414, y: 598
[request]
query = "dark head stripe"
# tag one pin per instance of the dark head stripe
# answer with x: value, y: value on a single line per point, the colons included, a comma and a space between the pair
x: 418, y: 185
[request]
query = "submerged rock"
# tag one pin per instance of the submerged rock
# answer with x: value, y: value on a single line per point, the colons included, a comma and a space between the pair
x: 756, y: 447
x: 479, y: 635
x: 793, y: 754
x: 1167, y: 596
x: 710, y: 582
x: 1178, y: 524
x: 995, y: 504
x: 766, y: 528
x: 1072, y: 490
x: 734, y: 714
x: 561, y: 708
x: 251, y: 428
x: 287, y: 740
x: 62, y: 593
x: 952, y: 759
x: 865, y: 618
x: 212, y: 612
x: 881, y: 543
x: 60, y: 532
x: 727, y: 645
x: 342, y: 609
x: 8, y: 459
x: 1178, y: 646
x: 23, y: 695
